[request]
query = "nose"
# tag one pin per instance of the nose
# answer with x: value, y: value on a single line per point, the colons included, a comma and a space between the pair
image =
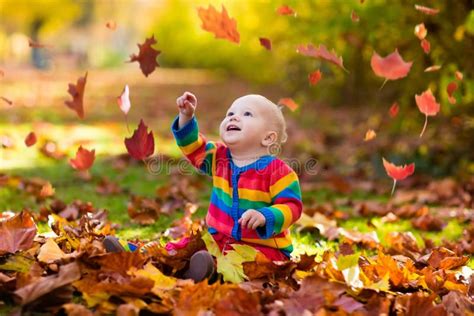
x: 234, y: 117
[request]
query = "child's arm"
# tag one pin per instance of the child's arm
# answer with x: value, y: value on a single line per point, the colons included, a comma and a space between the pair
x: 286, y: 205
x: 194, y: 146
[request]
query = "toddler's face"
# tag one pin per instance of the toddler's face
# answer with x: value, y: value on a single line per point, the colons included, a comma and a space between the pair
x: 246, y: 124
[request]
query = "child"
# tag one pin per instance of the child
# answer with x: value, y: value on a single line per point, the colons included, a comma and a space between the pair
x: 256, y: 197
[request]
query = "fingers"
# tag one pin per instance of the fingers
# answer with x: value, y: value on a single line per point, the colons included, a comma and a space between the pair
x: 251, y: 220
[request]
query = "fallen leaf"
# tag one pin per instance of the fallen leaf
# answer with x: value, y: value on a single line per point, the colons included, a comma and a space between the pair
x: 50, y: 252
x: 265, y: 42
x: 77, y: 93
x: 285, y: 10
x: 369, y: 135
x: 17, y: 233
x: 314, y: 77
x: 398, y: 172
x: 426, y: 10
x: 427, y: 104
x: 452, y: 86
x: 421, y: 31
x: 425, y: 44
x: 30, y: 139
x: 391, y: 67
x: 321, y: 52
x: 47, y: 190
x: 146, y: 56
x: 288, y: 102
x: 393, y: 111
x: 83, y: 160
x: 141, y: 145
x: 219, y: 23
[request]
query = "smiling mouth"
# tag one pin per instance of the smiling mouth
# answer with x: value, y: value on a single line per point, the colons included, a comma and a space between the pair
x: 232, y: 127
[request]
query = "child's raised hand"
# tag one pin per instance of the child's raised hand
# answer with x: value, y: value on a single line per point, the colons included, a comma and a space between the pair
x: 252, y: 219
x: 187, y: 104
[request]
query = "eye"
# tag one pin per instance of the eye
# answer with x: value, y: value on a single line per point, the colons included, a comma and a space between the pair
x: 248, y: 114
x: 230, y: 113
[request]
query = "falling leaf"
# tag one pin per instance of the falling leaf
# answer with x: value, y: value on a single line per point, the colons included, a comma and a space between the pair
x: 17, y: 233
x: 425, y: 44
x: 124, y: 100
x: 354, y: 16
x: 141, y: 145
x: 111, y: 25
x: 321, y: 52
x: 30, y: 139
x: 83, y: 160
x: 392, y: 67
x: 433, y: 68
x: 77, y: 93
x: 426, y: 10
x: 398, y: 172
x: 421, y: 31
x: 314, y: 77
x: 288, y: 102
x: 9, y: 102
x: 47, y: 190
x: 285, y: 10
x: 369, y: 135
x: 146, y: 56
x: 265, y: 42
x: 458, y: 75
x: 393, y: 111
x: 219, y: 23
x: 452, y: 86
x: 427, y: 104
x: 34, y: 44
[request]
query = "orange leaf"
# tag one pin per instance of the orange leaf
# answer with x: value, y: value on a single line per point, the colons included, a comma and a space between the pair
x: 219, y: 23
x: 285, y: 10
x: 426, y: 10
x: 425, y: 44
x: 141, y: 144
x: 321, y: 52
x: 77, y: 93
x: 146, y: 56
x: 458, y: 75
x: 265, y: 42
x: 421, y: 31
x: 354, y: 16
x: 392, y: 67
x: 369, y: 135
x: 393, y: 110
x: 452, y: 86
x: 17, y: 233
x: 30, y: 139
x: 111, y: 25
x: 84, y: 159
x: 427, y: 104
x: 289, y: 103
x: 314, y: 77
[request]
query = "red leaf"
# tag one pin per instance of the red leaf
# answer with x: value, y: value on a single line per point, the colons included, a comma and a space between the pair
x: 141, y: 144
x: 393, y: 110
x: 292, y: 105
x: 265, y: 42
x: 452, y: 86
x: 392, y: 67
x: 124, y: 100
x: 420, y: 31
x: 427, y: 104
x: 354, y: 16
x: 77, y: 93
x: 146, y: 56
x: 426, y: 10
x: 84, y: 159
x: 30, y: 139
x: 17, y: 233
x: 321, y: 52
x: 314, y: 77
x: 425, y: 44
x: 398, y: 172
x: 219, y: 23
x: 285, y: 10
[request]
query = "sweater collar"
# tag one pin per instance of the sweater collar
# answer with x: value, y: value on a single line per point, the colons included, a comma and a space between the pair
x: 259, y: 164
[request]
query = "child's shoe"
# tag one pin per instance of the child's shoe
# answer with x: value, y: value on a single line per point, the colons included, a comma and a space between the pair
x: 201, y: 266
x: 113, y: 244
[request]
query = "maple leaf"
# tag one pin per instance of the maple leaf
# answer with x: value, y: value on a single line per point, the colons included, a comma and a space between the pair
x: 219, y: 23
x: 292, y: 105
x: 427, y: 104
x: 141, y: 145
x: 321, y: 52
x: 146, y: 56
x: 285, y: 10
x: 84, y: 159
x: 17, y: 233
x: 398, y: 172
x: 425, y: 44
x: 50, y: 252
x: 426, y: 10
x: 393, y: 111
x: 30, y: 139
x: 391, y: 67
x: 77, y: 93
x: 421, y: 31
x: 452, y: 86
x: 314, y: 77
x: 265, y: 42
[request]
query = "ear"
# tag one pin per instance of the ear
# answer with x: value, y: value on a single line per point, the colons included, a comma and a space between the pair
x: 270, y: 138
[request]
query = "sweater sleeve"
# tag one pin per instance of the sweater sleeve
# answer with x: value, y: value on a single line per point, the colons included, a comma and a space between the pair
x: 200, y: 152
x: 287, y: 205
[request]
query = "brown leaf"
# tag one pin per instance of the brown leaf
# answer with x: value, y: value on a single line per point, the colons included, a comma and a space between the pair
x: 77, y: 93
x: 265, y: 42
x: 17, y: 233
x: 146, y: 56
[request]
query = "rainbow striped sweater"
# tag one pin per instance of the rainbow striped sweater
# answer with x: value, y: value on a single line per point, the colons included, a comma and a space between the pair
x: 267, y: 185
